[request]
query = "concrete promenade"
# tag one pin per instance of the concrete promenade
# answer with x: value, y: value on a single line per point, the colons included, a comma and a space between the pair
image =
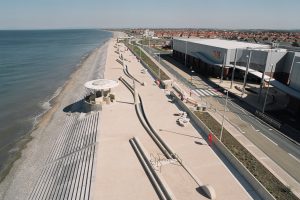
x: 119, y: 173
x: 269, y: 153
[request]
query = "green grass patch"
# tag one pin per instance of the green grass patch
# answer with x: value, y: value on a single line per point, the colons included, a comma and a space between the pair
x: 155, y: 42
x: 262, y: 174
x: 142, y: 56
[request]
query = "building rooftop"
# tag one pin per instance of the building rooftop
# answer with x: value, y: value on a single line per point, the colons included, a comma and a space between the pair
x: 101, y: 84
x: 225, y: 44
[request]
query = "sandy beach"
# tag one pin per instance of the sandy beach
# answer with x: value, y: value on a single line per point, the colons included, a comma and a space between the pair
x: 25, y: 172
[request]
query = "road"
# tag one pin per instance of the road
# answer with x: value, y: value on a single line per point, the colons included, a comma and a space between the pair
x: 272, y: 142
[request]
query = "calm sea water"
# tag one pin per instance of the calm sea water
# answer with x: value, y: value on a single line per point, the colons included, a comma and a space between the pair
x: 33, y: 65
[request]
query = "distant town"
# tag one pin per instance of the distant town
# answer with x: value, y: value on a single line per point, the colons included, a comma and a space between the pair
x: 285, y: 38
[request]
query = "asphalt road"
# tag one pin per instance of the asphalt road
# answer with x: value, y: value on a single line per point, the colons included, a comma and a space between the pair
x: 279, y: 148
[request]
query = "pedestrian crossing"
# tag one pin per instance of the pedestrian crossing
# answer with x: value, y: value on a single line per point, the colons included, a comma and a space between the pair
x: 206, y: 92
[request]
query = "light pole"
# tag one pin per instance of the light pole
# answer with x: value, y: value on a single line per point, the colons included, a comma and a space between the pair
x: 246, y: 72
x: 192, y: 71
x: 159, y: 58
x: 185, y: 53
x: 192, y: 76
x: 140, y: 53
x: 232, y: 76
x: 263, y: 76
x: 266, y: 96
x: 225, y: 107
x: 223, y: 66
x: 158, y: 66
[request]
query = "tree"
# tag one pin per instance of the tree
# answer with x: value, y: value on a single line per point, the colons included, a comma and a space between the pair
x: 295, y: 44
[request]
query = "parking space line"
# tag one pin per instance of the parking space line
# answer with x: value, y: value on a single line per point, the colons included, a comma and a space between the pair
x: 270, y: 140
x: 294, y: 157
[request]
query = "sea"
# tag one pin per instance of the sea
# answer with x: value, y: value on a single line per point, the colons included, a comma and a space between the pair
x: 34, y: 65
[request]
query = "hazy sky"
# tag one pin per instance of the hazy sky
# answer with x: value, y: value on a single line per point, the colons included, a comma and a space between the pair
x: 32, y: 14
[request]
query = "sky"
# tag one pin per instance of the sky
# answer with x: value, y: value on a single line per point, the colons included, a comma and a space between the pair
x: 223, y: 14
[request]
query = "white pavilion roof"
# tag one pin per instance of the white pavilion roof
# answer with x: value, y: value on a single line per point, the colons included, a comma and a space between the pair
x: 101, y: 84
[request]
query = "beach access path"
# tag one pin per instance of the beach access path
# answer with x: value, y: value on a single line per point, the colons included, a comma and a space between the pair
x: 118, y: 171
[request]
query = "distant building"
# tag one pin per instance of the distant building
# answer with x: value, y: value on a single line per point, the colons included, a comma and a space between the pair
x: 209, y: 56
x: 148, y: 33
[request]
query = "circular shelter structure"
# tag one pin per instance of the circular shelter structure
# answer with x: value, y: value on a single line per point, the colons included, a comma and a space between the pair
x: 99, y: 93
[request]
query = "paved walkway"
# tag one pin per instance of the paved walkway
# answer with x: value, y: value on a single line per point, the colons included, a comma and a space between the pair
x: 119, y: 174
x: 258, y: 144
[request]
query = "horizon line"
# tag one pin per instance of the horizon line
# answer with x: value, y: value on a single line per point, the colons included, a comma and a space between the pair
x: 151, y: 28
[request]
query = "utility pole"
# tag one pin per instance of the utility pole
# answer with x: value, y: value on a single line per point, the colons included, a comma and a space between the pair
x: 232, y: 75
x: 185, y: 53
x: 225, y: 107
x: 266, y: 96
x: 140, y: 53
x: 159, y: 66
x: 246, y: 72
x: 263, y: 76
x: 223, y: 66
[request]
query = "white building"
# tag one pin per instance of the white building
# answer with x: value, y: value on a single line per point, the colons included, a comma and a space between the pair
x: 212, y: 56
x: 148, y: 33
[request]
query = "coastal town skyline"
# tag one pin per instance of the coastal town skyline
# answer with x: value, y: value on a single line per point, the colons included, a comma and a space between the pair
x: 152, y: 14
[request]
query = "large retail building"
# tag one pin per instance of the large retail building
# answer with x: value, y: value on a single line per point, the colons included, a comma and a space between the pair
x: 219, y: 58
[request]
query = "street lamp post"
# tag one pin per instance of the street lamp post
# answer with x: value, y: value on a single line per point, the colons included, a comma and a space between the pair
x: 232, y: 76
x: 159, y: 58
x: 225, y: 107
x: 185, y: 53
x: 140, y: 53
x: 263, y: 77
x: 223, y: 66
x: 266, y: 96
x: 159, y: 66
x: 192, y: 76
x: 246, y: 72
x: 192, y: 71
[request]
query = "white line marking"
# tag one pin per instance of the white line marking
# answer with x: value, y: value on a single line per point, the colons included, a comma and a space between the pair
x: 270, y: 140
x: 198, y: 93
x: 215, y: 94
x: 264, y: 158
x: 241, y: 130
x: 204, y: 92
x: 209, y: 92
x: 195, y: 93
x: 252, y: 126
x: 294, y: 157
